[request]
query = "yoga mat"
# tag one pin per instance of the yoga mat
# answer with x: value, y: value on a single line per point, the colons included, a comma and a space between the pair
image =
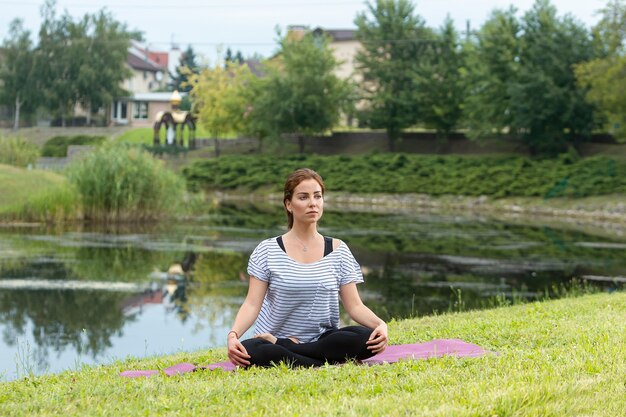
x: 433, y: 349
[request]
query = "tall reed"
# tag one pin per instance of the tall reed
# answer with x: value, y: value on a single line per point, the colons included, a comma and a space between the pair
x: 16, y: 151
x: 120, y: 183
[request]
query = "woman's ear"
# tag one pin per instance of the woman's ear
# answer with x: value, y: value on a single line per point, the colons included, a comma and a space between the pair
x: 288, y: 205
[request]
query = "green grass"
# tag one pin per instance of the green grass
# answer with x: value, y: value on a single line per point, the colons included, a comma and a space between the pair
x: 17, y: 185
x: 552, y: 358
x: 144, y: 135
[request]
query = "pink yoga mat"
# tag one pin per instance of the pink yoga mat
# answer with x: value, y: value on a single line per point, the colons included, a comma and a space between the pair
x: 395, y: 353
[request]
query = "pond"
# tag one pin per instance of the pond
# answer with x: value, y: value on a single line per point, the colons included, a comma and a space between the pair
x: 78, y: 295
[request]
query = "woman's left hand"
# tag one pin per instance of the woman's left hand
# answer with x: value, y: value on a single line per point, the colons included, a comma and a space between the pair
x: 378, y: 339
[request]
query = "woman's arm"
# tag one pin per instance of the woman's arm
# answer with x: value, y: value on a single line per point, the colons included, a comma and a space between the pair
x: 360, y: 313
x: 248, y: 313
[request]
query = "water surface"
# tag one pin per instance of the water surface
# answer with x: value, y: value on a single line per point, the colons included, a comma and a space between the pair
x: 80, y: 295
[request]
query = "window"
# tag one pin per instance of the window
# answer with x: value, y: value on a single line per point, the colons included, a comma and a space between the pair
x: 140, y: 110
x: 119, y: 111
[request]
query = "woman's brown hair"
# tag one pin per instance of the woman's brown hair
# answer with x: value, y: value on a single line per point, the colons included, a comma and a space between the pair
x: 295, y: 178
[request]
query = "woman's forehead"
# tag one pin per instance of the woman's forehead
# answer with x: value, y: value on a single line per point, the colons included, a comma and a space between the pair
x: 308, y: 186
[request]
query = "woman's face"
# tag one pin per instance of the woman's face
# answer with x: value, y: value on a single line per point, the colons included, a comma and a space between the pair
x: 307, y: 202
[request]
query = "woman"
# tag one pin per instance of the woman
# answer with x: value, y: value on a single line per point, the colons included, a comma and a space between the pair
x: 296, y: 281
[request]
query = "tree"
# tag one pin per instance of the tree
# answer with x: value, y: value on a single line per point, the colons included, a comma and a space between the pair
x: 102, y: 71
x: 304, y: 96
x: 216, y: 99
x: 17, y: 72
x: 235, y: 59
x: 187, y: 66
x: 81, y: 61
x: 394, y: 40
x: 57, y: 71
x: 529, y: 87
x: 441, y: 82
x: 493, y: 64
x: 604, y: 77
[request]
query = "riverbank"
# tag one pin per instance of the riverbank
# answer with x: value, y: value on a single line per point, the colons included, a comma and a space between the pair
x: 603, y: 211
x: 551, y: 358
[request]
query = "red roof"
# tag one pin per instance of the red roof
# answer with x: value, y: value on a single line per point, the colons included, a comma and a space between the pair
x: 160, y: 58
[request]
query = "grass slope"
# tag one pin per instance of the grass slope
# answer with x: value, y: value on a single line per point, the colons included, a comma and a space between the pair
x: 555, y: 358
x: 17, y: 185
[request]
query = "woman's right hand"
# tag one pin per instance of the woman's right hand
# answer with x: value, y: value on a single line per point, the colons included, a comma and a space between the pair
x: 236, y: 352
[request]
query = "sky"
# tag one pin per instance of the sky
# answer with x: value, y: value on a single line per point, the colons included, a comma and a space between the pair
x: 250, y: 26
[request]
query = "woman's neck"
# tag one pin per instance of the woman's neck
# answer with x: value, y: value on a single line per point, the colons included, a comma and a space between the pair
x: 304, y: 232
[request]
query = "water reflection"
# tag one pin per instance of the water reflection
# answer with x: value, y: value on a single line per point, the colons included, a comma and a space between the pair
x: 93, y: 295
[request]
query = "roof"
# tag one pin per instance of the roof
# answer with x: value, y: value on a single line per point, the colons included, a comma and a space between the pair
x: 160, y: 58
x: 255, y: 66
x: 338, y: 35
x: 140, y: 61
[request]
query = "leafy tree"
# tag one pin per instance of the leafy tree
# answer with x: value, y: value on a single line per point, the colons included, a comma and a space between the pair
x: 394, y: 41
x: 604, y: 77
x: 216, y: 99
x: 103, y: 68
x: 81, y: 61
x: 17, y: 72
x: 58, y: 60
x: 235, y: 59
x: 303, y: 95
x: 493, y: 64
x: 529, y: 87
x: 257, y: 114
x: 187, y: 66
x: 441, y: 82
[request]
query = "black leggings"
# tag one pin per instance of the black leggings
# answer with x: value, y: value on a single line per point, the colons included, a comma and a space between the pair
x: 334, y: 346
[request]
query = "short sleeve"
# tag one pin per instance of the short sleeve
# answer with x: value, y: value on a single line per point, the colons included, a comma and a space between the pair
x: 350, y: 270
x: 257, y: 264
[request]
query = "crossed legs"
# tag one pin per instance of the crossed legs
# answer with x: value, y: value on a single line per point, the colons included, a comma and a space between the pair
x: 334, y: 346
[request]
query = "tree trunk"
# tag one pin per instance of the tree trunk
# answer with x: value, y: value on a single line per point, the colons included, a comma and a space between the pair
x: 18, y: 105
x: 88, y: 111
x: 216, y: 141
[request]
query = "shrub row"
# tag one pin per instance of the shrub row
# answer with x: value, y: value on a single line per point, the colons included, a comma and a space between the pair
x: 565, y: 176
x: 57, y: 146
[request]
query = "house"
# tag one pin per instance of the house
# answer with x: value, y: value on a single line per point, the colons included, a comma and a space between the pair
x: 343, y: 43
x: 345, y: 46
x: 147, y: 86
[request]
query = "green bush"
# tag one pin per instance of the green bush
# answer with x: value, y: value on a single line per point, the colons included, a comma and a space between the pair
x: 57, y: 146
x: 18, y: 152
x: 122, y: 183
x: 497, y: 177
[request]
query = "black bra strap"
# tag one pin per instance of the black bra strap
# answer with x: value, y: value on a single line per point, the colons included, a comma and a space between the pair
x: 328, y: 244
x: 279, y: 240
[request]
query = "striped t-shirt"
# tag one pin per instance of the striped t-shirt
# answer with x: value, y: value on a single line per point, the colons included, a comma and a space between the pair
x: 302, y: 300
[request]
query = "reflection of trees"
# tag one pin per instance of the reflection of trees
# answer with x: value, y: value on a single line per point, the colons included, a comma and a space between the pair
x: 398, y: 290
x: 126, y: 263
x: 84, y: 320
x: 219, y: 266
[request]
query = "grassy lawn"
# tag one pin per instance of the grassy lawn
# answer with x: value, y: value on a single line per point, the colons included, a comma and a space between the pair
x: 554, y: 358
x: 144, y: 135
x: 18, y: 184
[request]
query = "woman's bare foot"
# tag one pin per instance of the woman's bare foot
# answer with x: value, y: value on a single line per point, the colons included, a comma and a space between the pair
x: 267, y: 336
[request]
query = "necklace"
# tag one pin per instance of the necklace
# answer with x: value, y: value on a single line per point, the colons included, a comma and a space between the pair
x: 305, y: 248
